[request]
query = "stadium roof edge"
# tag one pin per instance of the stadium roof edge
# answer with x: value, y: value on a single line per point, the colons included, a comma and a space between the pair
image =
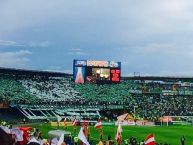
x: 61, y: 74
x: 157, y: 77
x: 26, y: 71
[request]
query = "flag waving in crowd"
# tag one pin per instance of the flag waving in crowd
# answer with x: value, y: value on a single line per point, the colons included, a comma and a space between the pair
x: 150, y: 140
x: 86, y: 129
x: 82, y: 137
x: 61, y: 139
x: 58, y: 118
x: 118, y: 136
x: 98, y: 125
x: 65, y: 123
x: 74, y: 122
x: 18, y: 134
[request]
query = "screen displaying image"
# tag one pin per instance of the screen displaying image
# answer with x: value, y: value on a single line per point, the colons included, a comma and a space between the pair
x: 98, y: 74
x: 101, y: 73
x: 79, y: 75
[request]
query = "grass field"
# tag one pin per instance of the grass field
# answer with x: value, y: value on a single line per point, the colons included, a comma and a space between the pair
x: 162, y: 134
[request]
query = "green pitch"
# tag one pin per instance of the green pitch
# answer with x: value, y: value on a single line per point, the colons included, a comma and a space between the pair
x: 162, y: 134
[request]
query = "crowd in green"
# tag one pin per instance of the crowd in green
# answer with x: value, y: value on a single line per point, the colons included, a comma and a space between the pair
x: 12, y: 91
x: 144, y: 99
x: 147, y: 100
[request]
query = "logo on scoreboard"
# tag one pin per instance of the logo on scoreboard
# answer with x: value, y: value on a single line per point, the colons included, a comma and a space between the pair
x: 114, y: 64
x: 80, y: 62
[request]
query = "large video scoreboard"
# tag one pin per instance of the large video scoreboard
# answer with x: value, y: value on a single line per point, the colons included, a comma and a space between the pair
x: 96, y: 71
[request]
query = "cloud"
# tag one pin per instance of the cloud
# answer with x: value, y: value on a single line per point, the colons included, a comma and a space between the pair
x: 14, y: 59
x: 152, y: 36
x: 9, y: 43
x: 156, y: 48
x: 39, y: 44
x: 33, y: 44
x: 75, y: 49
x: 79, y: 53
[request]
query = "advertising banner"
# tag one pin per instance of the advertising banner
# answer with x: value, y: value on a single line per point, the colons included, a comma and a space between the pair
x: 98, y: 63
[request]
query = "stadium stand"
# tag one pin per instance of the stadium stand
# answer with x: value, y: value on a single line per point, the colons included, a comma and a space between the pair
x: 51, y: 89
x: 13, y: 91
x: 44, y: 95
x: 151, y: 100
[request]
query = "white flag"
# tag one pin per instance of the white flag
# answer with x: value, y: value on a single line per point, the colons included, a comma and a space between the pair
x: 82, y: 137
x: 54, y: 141
x: 18, y: 133
x: 118, y: 134
x: 6, y: 129
x: 34, y: 140
x: 61, y: 140
x: 59, y: 118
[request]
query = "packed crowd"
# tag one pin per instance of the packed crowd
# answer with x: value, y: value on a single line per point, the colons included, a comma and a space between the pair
x: 30, y: 90
x: 12, y: 91
x: 50, y: 89
x: 147, y: 98
x: 148, y: 104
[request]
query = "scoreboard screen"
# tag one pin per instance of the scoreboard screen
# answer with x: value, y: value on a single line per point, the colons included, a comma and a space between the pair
x: 96, y: 71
